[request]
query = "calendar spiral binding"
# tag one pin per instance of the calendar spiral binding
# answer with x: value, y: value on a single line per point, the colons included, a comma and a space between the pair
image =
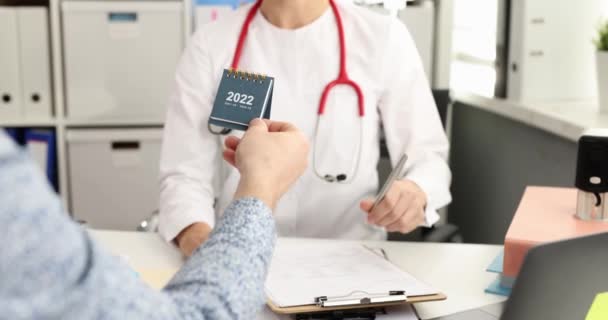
x: 244, y: 75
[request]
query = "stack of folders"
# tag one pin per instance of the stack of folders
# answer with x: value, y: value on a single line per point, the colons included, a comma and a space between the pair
x: 41, y: 145
x: 317, y: 276
x: 544, y: 215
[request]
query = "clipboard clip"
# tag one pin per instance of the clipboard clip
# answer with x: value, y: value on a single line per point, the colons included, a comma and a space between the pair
x: 360, y: 298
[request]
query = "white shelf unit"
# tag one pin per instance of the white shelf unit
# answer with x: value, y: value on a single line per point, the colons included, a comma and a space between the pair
x: 60, y: 121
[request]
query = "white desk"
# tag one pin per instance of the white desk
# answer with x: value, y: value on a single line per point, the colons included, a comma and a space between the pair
x: 567, y: 119
x: 458, y: 270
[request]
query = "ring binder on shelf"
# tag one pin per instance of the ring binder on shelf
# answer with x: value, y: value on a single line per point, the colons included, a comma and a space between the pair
x: 361, y: 298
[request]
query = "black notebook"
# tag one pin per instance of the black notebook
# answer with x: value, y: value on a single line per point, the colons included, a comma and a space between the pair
x: 241, y: 97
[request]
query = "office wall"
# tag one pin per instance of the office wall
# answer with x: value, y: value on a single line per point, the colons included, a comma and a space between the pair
x: 493, y: 159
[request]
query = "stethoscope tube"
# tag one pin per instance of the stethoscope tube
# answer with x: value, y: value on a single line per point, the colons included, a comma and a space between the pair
x: 343, y: 79
x: 341, y: 178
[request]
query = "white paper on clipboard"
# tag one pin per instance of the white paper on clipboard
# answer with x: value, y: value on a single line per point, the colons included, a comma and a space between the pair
x: 300, y: 272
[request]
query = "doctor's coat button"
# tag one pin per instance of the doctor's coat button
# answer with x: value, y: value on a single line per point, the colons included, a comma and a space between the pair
x: 341, y: 177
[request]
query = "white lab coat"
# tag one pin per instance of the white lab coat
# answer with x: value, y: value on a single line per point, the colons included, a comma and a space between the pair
x: 381, y: 58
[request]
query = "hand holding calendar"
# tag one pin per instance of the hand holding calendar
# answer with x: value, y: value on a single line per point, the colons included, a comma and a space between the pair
x: 270, y: 157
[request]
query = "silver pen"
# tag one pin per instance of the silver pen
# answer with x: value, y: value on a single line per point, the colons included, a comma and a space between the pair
x: 395, y: 174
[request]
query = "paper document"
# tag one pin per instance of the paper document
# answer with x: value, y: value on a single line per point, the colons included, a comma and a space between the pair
x: 300, y: 272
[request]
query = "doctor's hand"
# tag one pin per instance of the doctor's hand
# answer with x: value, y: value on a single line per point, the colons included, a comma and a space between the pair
x: 192, y: 237
x: 401, y: 210
x: 270, y: 157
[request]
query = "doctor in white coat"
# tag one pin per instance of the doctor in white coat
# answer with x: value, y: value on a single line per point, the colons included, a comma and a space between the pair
x: 298, y: 43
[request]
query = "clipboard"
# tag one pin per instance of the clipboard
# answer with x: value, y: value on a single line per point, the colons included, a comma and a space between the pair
x: 317, y: 308
x: 301, y: 273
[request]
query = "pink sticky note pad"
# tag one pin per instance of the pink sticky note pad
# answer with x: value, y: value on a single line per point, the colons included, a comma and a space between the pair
x: 544, y: 215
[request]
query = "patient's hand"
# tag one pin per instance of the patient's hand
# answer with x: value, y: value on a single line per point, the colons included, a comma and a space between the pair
x: 271, y: 156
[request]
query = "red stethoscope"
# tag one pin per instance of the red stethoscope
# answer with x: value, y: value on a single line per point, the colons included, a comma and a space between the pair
x: 342, y: 79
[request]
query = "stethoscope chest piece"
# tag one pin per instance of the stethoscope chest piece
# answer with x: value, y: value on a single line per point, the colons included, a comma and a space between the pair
x: 218, y: 130
x: 338, y: 178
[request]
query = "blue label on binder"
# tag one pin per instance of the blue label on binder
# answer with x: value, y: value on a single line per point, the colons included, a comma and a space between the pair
x: 241, y: 97
x: 122, y: 17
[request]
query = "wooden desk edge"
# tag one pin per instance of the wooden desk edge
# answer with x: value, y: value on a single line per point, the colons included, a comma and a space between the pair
x: 314, y: 308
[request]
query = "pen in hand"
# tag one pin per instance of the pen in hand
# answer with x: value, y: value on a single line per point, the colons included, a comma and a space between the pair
x: 400, y: 206
x: 396, y: 174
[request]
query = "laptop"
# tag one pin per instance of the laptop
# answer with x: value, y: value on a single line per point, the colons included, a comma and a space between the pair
x: 558, y: 280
